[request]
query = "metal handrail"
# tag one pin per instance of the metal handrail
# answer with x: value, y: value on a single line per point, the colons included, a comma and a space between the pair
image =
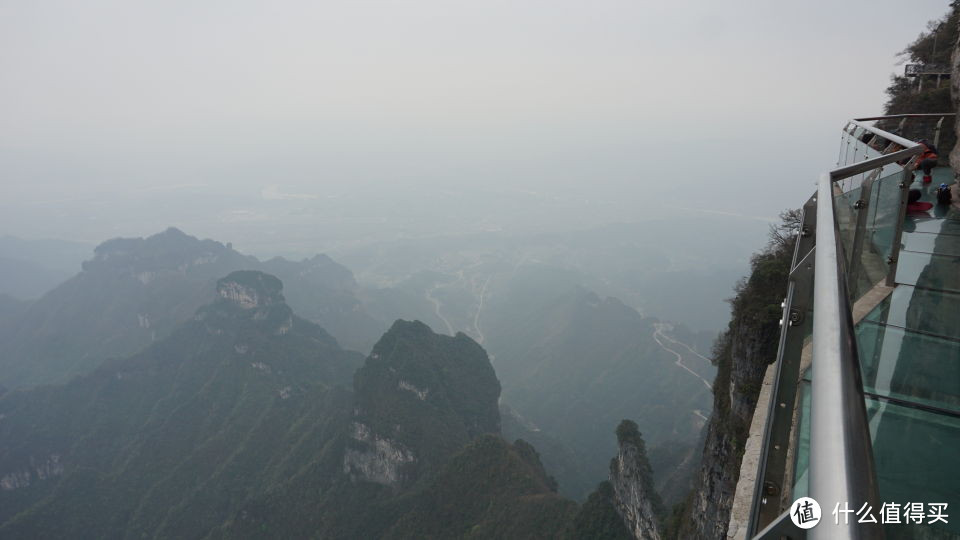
x: 841, y: 456
x: 841, y: 467
x: 903, y: 118
x: 885, y: 134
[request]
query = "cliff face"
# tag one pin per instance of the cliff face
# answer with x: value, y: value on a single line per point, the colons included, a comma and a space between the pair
x: 635, y: 497
x: 742, y: 354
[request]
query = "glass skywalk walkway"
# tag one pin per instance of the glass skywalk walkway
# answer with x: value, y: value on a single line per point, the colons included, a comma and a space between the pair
x: 909, y: 349
x: 899, y: 333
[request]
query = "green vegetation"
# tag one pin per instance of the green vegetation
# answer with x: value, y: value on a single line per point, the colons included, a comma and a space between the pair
x: 236, y: 426
x: 490, y: 489
x: 933, y: 47
x: 172, y: 440
x: 598, y: 518
x: 428, y: 392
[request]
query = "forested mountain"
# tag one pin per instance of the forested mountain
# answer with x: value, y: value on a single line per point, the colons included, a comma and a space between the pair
x: 927, y: 94
x: 546, y: 332
x: 168, y: 441
x: 237, y: 424
x: 135, y: 291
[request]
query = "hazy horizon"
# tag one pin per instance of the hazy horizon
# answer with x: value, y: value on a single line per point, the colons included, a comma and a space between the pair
x: 246, y: 122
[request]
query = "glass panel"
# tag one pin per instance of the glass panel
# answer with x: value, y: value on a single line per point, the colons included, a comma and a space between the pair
x: 939, y: 226
x: 943, y: 244
x: 846, y: 215
x: 801, y: 482
x: 931, y: 312
x: 916, y: 458
x: 910, y: 366
x: 883, y: 213
x: 929, y: 271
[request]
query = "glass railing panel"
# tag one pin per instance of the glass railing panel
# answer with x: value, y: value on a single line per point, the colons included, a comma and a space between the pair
x: 883, y: 213
x: 915, y: 453
x: 801, y: 481
x: 929, y: 271
x: 921, y: 310
x: 890, y: 169
x: 845, y: 210
x: 910, y: 366
x: 871, y: 265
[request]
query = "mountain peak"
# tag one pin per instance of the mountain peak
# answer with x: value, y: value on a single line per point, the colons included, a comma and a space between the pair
x: 245, y: 298
x: 420, y: 397
x: 173, y: 232
x: 635, y: 496
x: 250, y: 289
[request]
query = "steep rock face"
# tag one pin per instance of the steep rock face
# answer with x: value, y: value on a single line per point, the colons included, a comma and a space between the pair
x: 420, y: 397
x: 250, y: 289
x: 635, y: 497
x: 726, y: 435
x: 742, y: 354
x: 374, y: 458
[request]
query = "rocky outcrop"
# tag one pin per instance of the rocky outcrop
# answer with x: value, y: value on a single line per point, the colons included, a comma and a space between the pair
x: 250, y: 289
x: 253, y: 300
x: 37, y: 470
x: 375, y: 459
x: 635, y: 497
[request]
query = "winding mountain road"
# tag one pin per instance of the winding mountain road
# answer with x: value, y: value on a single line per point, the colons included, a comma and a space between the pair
x: 436, y: 309
x: 476, y: 319
x: 658, y: 333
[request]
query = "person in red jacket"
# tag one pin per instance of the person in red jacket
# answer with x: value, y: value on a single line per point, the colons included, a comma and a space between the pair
x: 927, y: 160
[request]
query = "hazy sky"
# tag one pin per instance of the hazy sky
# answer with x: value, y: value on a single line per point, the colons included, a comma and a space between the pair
x: 719, y: 101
